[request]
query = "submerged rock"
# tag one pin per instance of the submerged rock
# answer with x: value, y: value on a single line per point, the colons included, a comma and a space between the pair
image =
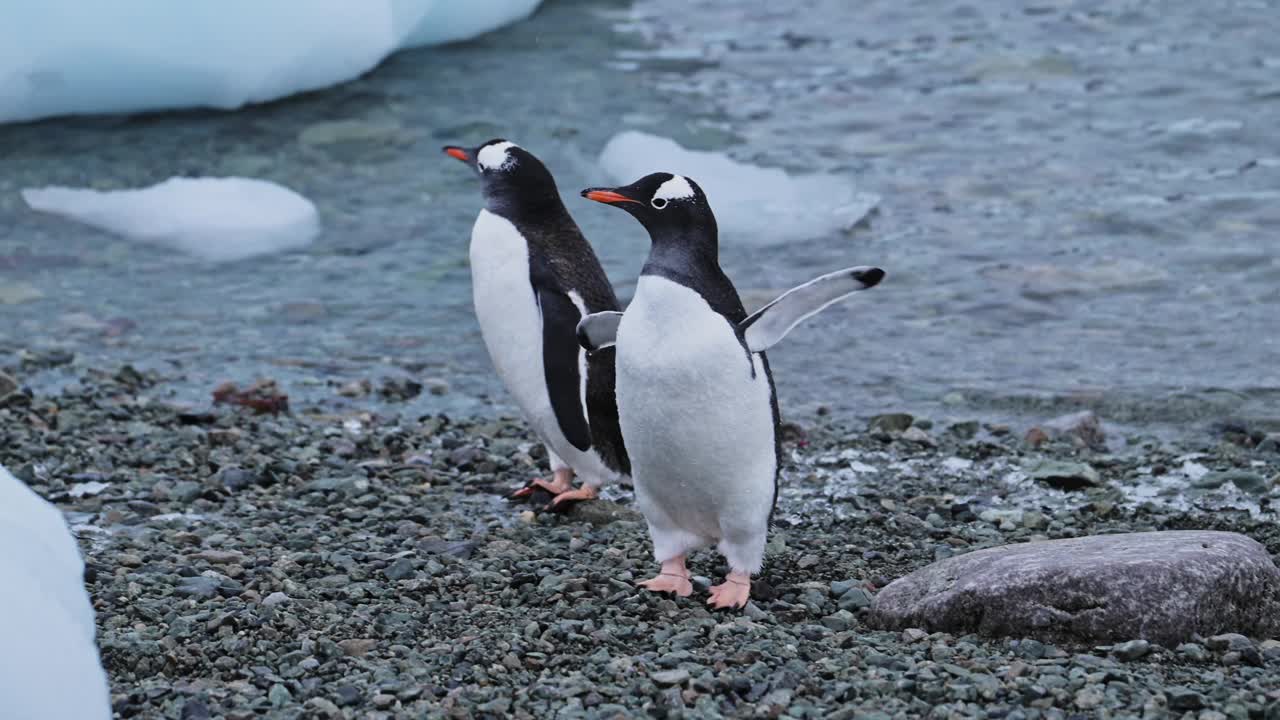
x: 1164, y: 587
x: 1083, y: 428
x: 1064, y: 475
x: 7, y: 384
x: 890, y: 423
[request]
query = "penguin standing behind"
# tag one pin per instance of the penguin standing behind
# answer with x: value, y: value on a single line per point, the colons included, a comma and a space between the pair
x: 695, y: 395
x: 534, y: 276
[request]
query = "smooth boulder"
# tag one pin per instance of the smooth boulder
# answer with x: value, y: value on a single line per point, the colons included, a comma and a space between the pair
x: 1163, y: 587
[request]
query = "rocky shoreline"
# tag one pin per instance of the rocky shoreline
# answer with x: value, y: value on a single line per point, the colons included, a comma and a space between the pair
x: 368, y: 565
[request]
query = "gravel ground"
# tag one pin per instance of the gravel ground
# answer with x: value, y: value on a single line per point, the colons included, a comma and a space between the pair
x: 320, y: 565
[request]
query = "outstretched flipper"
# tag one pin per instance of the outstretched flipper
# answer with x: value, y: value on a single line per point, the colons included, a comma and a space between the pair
x: 599, y: 330
x: 766, y: 326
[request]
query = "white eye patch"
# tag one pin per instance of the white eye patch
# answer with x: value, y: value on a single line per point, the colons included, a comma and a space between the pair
x: 496, y: 157
x: 677, y: 188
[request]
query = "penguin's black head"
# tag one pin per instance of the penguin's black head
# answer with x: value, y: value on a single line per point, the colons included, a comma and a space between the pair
x: 513, y: 178
x: 667, y: 205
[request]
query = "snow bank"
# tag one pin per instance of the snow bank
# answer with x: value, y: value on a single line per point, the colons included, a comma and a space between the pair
x: 762, y: 205
x: 61, y: 57
x: 49, y: 666
x: 218, y: 219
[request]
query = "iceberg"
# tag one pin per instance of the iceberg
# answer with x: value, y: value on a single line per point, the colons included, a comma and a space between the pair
x: 49, y: 667
x: 216, y: 219
x: 762, y: 205
x: 60, y: 57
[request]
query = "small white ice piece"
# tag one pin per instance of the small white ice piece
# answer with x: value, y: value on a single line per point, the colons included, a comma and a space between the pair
x: 49, y: 666
x: 217, y: 219
x: 87, y: 489
x: 754, y: 204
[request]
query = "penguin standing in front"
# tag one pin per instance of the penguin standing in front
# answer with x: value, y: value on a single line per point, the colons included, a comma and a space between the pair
x: 695, y: 395
x: 534, y: 277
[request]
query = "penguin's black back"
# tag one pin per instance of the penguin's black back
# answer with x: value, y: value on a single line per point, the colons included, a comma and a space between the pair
x: 561, y: 258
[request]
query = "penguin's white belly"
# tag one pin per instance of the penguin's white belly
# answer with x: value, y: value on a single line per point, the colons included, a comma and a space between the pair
x: 698, y: 424
x: 511, y: 324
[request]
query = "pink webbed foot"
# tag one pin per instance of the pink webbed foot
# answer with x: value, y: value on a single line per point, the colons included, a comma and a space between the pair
x: 734, y: 592
x: 586, y: 492
x: 673, y: 578
x: 561, y: 481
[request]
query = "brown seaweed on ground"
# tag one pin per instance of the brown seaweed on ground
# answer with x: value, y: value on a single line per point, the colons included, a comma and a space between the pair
x: 262, y: 397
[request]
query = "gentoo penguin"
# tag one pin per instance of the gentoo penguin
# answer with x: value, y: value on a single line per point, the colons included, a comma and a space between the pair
x: 695, y: 395
x: 534, y: 276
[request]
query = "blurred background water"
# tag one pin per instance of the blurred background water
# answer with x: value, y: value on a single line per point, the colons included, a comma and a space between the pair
x: 1080, y: 205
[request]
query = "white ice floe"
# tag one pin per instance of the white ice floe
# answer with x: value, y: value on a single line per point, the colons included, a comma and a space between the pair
x: 60, y: 57
x: 218, y: 219
x: 752, y: 204
x: 49, y: 665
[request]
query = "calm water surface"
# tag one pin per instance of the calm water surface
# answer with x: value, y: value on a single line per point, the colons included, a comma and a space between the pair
x: 1081, y: 206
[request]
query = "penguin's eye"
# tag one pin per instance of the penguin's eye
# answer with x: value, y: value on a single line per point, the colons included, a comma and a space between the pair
x: 658, y: 203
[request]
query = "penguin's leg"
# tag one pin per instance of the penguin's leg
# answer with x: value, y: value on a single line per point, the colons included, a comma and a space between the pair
x: 673, y: 577
x: 586, y: 492
x: 734, y: 592
x: 561, y: 478
x: 745, y: 553
x: 670, y: 545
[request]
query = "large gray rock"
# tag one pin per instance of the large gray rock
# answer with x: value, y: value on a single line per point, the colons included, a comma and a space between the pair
x: 1158, y: 586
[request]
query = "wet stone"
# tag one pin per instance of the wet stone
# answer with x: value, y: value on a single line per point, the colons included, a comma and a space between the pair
x: 1163, y: 587
x: 401, y: 569
x: 279, y: 695
x: 200, y: 586
x: 1183, y: 698
x: 1131, y: 650
x: 890, y: 423
x: 1064, y: 475
x: 854, y: 599
x: 357, y: 647
x: 347, y: 695
x: 670, y: 677
x: 237, y: 479
x: 839, y: 621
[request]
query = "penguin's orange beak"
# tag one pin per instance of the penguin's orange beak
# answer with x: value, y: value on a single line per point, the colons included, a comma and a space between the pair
x: 457, y: 152
x: 606, y: 195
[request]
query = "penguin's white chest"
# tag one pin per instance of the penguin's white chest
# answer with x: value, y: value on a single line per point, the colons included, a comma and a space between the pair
x: 698, y: 421
x: 507, y: 309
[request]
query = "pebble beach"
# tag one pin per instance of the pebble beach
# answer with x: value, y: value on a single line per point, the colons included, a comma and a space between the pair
x: 307, y: 564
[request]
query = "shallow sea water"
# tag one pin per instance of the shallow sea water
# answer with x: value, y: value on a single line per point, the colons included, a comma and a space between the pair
x: 1080, y: 206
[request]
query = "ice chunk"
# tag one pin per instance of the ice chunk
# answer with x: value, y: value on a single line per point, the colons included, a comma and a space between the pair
x: 62, y: 57
x: 760, y: 205
x: 218, y: 219
x: 49, y: 665
x: 446, y: 21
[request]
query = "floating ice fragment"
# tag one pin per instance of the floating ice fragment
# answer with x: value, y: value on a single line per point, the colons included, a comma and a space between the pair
x: 61, y: 57
x: 49, y: 667
x: 218, y: 219
x: 753, y: 204
x: 1194, y: 470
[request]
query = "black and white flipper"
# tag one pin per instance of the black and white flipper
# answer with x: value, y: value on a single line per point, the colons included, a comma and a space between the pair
x: 768, y: 325
x: 598, y: 331
x: 564, y: 367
